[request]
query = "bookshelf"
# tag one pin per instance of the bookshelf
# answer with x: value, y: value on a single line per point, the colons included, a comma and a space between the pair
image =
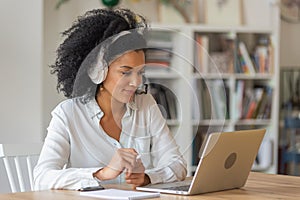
x: 209, y: 98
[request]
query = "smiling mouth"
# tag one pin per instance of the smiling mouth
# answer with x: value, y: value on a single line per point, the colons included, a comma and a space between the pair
x: 129, y: 92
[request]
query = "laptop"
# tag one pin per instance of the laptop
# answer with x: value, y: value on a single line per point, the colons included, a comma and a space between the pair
x: 225, y: 162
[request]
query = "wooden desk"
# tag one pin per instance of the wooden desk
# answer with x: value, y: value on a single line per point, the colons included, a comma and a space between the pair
x: 258, y: 186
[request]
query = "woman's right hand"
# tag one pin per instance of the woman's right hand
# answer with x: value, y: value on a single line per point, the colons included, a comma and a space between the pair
x: 123, y: 159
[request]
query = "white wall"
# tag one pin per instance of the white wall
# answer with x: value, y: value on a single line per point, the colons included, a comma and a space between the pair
x: 55, y: 22
x: 290, y: 44
x: 20, y: 77
x: 21, y: 69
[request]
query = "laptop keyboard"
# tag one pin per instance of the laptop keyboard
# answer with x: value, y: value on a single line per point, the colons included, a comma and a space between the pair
x: 179, y: 188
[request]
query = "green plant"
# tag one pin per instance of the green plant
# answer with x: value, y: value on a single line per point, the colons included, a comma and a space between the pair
x: 59, y: 3
x: 107, y: 3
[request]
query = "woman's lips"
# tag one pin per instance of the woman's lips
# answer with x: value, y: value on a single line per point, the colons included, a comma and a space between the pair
x: 129, y: 92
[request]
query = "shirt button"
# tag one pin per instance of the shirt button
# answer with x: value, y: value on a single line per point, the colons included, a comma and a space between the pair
x: 99, y: 115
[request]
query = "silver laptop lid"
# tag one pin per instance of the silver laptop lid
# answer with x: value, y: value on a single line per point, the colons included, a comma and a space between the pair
x: 225, y: 163
x: 226, y: 160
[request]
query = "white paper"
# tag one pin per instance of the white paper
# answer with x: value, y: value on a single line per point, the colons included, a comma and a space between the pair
x: 120, y: 194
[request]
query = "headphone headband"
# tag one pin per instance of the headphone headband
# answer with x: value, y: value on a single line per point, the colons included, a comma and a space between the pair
x: 98, y: 60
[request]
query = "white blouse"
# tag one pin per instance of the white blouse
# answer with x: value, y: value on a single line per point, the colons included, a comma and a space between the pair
x: 76, y: 146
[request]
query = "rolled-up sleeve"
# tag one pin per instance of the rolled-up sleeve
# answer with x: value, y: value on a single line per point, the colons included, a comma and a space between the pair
x: 50, y: 171
x: 168, y: 163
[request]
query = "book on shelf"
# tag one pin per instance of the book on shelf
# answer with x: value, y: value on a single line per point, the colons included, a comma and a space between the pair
x: 218, y: 98
x: 201, y: 55
x: 264, y: 55
x: 227, y: 112
x: 195, y: 150
x: 158, y: 54
x: 213, y: 57
x: 197, y: 109
x: 197, y: 143
x: 232, y: 57
x: 242, y: 64
x: 158, y: 58
x: 264, y: 111
x: 271, y: 59
x: 162, y: 101
x: 205, y: 101
x: 245, y: 60
x: 160, y: 44
x: 263, y: 58
x: 165, y: 99
x: 156, y: 68
x: 253, y: 102
x: 171, y: 103
x: 214, y: 99
x: 240, y: 85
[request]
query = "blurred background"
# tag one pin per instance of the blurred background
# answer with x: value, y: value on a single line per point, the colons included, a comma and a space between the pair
x: 30, y: 33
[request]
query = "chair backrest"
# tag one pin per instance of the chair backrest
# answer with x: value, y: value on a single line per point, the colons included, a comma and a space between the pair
x: 291, y: 122
x: 12, y: 155
x: 292, y: 127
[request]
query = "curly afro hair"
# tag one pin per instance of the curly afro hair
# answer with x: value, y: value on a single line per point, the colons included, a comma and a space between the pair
x: 84, y: 35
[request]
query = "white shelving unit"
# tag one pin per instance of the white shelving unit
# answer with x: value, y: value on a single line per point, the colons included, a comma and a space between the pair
x: 180, y: 77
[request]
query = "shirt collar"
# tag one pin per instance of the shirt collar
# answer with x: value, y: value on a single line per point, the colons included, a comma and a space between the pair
x: 132, y: 104
x: 94, y: 109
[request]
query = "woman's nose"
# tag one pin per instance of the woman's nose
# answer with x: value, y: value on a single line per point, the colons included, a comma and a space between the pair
x: 135, y: 80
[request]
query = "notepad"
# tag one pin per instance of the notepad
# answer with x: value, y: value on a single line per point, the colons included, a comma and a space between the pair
x: 120, y: 194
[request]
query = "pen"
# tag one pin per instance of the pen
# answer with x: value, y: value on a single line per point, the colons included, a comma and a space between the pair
x: 92, y: 188
x: 138, y: 157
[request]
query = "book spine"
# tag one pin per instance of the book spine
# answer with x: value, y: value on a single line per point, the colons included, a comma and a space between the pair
x: 202, y: 57
x: 246, y: 57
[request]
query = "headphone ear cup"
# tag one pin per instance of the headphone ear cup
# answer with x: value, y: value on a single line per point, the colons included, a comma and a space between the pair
x: 98, y: 74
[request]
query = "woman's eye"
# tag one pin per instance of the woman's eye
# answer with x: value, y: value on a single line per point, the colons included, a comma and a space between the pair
x: 126, y: 73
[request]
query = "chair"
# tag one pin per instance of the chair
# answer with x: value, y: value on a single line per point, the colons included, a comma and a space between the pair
x: 12, y: 156
x: 290, y: 152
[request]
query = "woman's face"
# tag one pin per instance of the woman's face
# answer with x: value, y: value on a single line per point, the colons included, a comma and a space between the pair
x: 125, y: 75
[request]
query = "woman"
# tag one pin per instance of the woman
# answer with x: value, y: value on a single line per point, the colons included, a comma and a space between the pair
x: 108, y: 129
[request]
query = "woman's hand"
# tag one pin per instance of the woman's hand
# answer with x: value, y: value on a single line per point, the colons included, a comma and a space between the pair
x: 137, y: 177
x: 123, y: 159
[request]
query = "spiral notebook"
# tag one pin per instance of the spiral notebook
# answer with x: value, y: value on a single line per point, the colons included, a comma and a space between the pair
x: 120, y: 194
